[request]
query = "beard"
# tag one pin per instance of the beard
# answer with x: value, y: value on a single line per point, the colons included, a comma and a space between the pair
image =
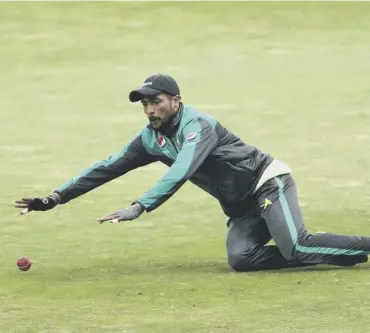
x: 156, y: 122
x: 162, y: 125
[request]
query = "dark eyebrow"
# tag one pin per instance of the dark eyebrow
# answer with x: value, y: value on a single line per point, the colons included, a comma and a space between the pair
x: 154, y: 98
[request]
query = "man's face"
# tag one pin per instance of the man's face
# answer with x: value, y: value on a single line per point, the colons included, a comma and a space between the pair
x: 160, y: 108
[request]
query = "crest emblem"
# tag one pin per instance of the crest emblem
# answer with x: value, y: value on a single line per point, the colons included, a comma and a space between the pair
x: 161, y: 141
x: 191, y: 136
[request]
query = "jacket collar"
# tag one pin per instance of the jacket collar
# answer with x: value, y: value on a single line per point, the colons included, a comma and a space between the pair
x: 173, y: 123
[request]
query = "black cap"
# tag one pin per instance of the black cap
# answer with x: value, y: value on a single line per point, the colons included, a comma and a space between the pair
x: 155, y: 85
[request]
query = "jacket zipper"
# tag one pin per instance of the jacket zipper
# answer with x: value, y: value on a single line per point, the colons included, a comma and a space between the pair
x: 174, y: 145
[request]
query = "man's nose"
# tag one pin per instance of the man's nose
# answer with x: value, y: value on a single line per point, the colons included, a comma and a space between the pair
x: 150, y: 109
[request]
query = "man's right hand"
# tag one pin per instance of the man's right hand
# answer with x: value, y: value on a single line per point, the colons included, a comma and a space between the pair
x: 37, y: 204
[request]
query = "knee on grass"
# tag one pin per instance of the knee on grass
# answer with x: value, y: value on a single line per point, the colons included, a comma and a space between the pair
x: 241, y: 263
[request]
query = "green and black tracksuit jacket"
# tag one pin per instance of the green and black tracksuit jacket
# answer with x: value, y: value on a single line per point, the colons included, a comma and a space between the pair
x: 196, y: 147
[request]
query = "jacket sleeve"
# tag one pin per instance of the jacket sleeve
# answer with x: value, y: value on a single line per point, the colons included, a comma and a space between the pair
x: 133, y: 155
x: 200, y: 139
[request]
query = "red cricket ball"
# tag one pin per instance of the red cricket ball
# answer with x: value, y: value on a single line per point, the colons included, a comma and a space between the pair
x: 24, y: 263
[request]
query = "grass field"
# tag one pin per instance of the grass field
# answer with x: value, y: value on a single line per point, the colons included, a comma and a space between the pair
x: 291, y: 78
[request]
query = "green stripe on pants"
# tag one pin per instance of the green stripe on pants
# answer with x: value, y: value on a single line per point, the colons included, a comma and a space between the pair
x: 293, y: 231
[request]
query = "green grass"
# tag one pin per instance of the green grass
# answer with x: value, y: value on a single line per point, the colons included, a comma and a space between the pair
x: 291, y: 78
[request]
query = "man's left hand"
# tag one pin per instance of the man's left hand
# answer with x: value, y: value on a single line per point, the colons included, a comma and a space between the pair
x: 126, y: 214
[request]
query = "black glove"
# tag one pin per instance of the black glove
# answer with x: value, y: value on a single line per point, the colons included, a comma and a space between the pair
x: 37, y: 204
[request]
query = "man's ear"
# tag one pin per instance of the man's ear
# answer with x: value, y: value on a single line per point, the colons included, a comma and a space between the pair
x: 176, y: 101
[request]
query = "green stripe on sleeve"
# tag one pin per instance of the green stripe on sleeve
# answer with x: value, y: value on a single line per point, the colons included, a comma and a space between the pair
x: 176, y: 175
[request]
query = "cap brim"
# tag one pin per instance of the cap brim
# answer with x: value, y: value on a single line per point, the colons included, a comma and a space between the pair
x: 137, y: 95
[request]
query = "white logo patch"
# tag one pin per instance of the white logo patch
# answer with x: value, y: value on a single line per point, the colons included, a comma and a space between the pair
x: 191, y: 136
x: 146, y: 84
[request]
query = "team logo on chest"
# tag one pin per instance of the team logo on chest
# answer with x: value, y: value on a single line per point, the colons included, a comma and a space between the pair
x: 161, y: 141
x: 191, y: 136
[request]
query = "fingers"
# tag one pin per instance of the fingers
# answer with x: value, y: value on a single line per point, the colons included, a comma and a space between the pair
x: 24, y: 203
x: 21, y: 206
x: 109, y: 217
x: 25, y: 211
x: 25, y: 200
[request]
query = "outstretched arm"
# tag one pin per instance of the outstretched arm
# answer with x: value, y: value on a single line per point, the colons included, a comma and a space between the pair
x: 132, y: 156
